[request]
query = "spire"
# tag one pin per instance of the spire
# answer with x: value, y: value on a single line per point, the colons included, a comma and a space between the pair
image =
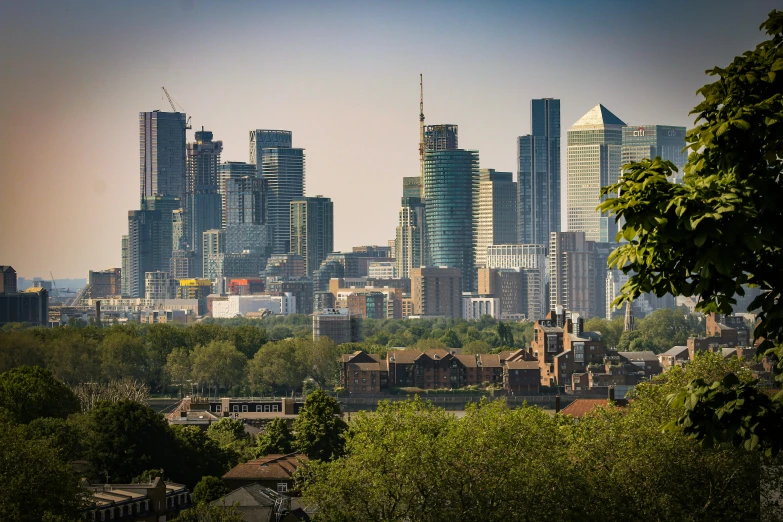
x: 629, y: 326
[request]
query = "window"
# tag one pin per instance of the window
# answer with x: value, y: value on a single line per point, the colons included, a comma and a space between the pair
x: 234, y: 408
x: 364, y: 380
x: 244, y: 407
x: 356, y: 381
x: 267, y: 408
x: 282, y: 487
x: 274, y: 407
x: 103, y: 515
x: 218, y: 408
x: 258, y: 407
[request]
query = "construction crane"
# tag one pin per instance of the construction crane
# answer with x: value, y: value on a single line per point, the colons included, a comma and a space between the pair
x: 421, y: 131
x: 173, y: 108
x: 54, y: 284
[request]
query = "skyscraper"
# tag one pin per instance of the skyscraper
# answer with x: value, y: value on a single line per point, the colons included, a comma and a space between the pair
x: 450, y: 187
x: 162, y: 154
x: 572, y: 273
x: 145, y: 248
x: 202, y: 200
x: 495, y: 216
x: 284, y: 171
x: 232, y: 169
x: 594, y: 161
x: 409, y: 243
x: 538, y: 159
x: 261, y: 139
x: 649, y: 141
x: 312, y: 230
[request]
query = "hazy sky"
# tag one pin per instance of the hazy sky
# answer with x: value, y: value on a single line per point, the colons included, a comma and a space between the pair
x: 343, y: 76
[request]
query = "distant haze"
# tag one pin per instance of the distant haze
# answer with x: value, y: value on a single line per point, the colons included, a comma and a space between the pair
x: 343, y: 76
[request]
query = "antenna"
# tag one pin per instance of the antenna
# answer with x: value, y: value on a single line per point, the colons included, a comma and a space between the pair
x: 421, y: 131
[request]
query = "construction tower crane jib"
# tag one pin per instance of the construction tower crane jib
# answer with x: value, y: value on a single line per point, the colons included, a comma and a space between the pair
x: 173, y: 108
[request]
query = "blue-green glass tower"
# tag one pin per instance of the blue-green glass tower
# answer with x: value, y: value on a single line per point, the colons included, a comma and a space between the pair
x: 450, y: 187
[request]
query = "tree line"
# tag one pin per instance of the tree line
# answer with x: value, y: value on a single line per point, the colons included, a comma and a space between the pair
x: 410, y: 461
x: 45, y: 429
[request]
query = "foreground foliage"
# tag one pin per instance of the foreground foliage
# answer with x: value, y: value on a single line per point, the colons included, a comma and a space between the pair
x: 411, y: 461
x: 719, y: 230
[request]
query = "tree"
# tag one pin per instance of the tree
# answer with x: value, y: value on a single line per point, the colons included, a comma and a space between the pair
x: 196, y: 455
x: 505, y: 334
x: 451, y: 339
x: 722, y: 228
x: 664, y: 329
x: 322, y: 360
x: 318, y: 428
x: 209, y: 488
x: 610, y: 330
x: 207, y: 513
x: 29, y: 393
x: 429, y: 344
x: 218, y: 364
x: 277, y: 365
x: 178, y: 366
x: 475, y: 347
x: 125, y: 438
x: 37, y: 483
x: 61, y: 435
x: 122, y: 355
x: 125, y: 389
x: 276, y: 438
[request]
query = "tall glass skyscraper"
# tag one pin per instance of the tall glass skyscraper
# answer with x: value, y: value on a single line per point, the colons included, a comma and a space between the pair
x: 450, y: 186
x: 246, y: 229
x: 538, y: 175
x: 495, y: 216
x: 202, y: 201
x: 284, y: 171
x: 409, y: 242
x: 594, y: 161
x: 261, y: 139
x: 649, y: 141
x: 226, y: 171
x: 162, y: 154
x: 312, y: 230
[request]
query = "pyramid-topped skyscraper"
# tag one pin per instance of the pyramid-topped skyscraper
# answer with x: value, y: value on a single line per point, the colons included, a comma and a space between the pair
x: 594, y: 161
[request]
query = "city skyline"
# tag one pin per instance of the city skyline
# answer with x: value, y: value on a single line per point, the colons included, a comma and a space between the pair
x: 80, y: 75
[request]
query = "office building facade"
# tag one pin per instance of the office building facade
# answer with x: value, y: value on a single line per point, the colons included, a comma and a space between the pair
x: 495, y: 215
x: 312, y: 230
x: 261, y: 139
x: 229, y: 170
x: 594, y: 161
x: 538, y: 175
x: 650, y: 141
x: 148, y: 248
x: 450, y: 187
x: 284, y: 171
x: 410, y: 237
x: 162, y: 154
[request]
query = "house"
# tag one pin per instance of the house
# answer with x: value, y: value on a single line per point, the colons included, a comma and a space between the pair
x: 258, y: 503
x: 723, y: 331
x: 581, y: 407
x: 146, y: 502
x: 645, y: 361
x: 273, y: 471
x: 203, y: 411
x: 676, y: 356
x: 363, y: 373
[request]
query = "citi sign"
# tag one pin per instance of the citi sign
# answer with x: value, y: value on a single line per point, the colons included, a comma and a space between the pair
x: 639, y: 132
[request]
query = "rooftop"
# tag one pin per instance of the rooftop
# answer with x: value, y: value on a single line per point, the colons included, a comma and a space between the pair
x: 598, y: 115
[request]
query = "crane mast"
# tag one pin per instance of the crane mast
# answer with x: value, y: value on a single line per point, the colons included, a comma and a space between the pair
x: 173, y: 108
x: 421, y: 131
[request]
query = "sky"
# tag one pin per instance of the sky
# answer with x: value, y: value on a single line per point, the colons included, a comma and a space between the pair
x: 343, y: 76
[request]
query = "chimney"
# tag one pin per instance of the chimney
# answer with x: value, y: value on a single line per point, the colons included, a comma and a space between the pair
x: 559, y: 316
x: 611, y: 393
x: 557, y: 403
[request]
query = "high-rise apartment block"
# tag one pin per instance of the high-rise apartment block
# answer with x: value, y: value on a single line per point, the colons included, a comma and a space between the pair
x: 440, y: 137
x: 594, y: 161
x: 495, y: 216
x: 283, y: 168
x: 538, y: 160
x: 213, y: 248
x: 228, y: 170
x: 148, y: 248
x: 649, y: 141
x: 202, y: 200
x: 246, y: 228
x: 337, y: 325
x: 520, y: 291
x: 162, y: 154
x: 436, y: 291
x: 410, y: 240
x: 104, y: 283
x: 7, y: 279
x: 450, y: 187
x: 572, y: 273
x: 312, y: 230
x: 159, y: 285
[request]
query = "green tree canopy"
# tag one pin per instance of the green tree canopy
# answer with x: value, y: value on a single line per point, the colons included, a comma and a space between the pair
x: 278, y: 365
x: 218, y: 364
x: 31, y: 392
x: 318, y: 428
x: 276, y: 438
x: 722, y: 228
x: 209, y: 488
x: 208, y: 513
x: 37, y: 482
